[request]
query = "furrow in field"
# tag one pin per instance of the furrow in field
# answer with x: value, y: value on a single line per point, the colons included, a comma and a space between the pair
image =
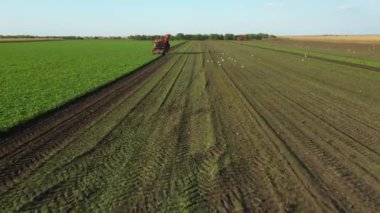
x: 332, y: 128
x: 176, y: 184
x: 171, y: 68
x: 115, y: 153
x: 286, y: 201
x: 352, y: 91
x: 355, y: 182
x: 322, y: 153
x: 288, y: 85
x: 360, y: 138
x: 120, y: 150
x: 168, y: 119
x: 301, y: 171
x: 229, y: 134
x: 353, y: 127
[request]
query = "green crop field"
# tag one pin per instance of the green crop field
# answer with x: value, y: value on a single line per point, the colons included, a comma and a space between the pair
x: 38, y: 76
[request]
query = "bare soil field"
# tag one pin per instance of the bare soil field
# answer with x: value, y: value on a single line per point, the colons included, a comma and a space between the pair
x: 212, y: 126
x: 367, y: 39
x: 363, y: 50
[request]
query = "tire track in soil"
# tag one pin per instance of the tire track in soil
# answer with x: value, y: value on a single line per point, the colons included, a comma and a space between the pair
x: 178, y: 105
x: 189, y: 188
x: 169, y: 113
x: 103, y: 147
x: 95, y: 150
x: 225, y: 135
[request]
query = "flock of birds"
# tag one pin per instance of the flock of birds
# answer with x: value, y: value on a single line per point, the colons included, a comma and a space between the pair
x: 221, y: 60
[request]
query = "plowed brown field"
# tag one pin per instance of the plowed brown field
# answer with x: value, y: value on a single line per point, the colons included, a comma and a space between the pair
x: 213, y: 126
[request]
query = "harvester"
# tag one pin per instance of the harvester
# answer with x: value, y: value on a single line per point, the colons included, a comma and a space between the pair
x: 241, y: 38
x: 161, y: 45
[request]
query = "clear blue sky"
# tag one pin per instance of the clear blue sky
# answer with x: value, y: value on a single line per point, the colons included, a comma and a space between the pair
x: 126, y: 17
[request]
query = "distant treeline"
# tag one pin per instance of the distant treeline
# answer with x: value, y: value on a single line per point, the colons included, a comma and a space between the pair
x: 179, y: 36
x: 228, y: 36
x: 61, y: 37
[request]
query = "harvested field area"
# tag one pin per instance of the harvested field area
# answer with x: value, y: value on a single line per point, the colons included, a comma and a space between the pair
x: 369, y: 50
x: 211, y: 126
x: 365, y: 39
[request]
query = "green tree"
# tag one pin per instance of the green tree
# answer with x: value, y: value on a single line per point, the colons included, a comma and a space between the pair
x: 229, y: 36
x: 179, y: 36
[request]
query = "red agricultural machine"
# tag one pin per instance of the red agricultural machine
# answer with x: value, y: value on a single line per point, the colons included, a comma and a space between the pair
x: 241, y: 38
x: 161, y: 45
